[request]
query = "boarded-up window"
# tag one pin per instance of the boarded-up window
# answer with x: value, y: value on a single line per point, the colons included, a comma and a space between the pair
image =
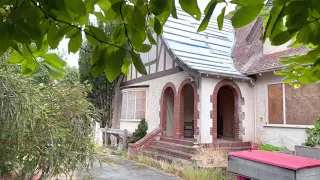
x: 275, y: 103
x: 133, y: 105
x: 303, y: 104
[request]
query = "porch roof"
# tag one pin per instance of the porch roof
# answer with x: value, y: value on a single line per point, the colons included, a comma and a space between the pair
x: 207, y: 52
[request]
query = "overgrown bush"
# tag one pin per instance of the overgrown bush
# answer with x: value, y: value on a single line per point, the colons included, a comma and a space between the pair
x: 44, y: 131
x: 269, y: 147
x: 140, y: 132
x: 313, y: 134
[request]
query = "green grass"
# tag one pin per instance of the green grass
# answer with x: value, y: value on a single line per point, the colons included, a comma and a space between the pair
x: 186, y: 171
x: 269, y: 147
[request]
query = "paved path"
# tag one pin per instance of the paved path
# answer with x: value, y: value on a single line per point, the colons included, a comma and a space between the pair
x: 116, y: 168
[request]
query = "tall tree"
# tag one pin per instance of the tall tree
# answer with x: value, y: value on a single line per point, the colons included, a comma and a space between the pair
x: 27, y: 22
x: 102, y: 92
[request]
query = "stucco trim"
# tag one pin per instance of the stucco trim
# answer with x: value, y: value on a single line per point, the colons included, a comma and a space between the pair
x: 239, y: 114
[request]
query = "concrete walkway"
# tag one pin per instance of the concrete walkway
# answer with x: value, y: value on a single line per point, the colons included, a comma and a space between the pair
x: 116, y: 168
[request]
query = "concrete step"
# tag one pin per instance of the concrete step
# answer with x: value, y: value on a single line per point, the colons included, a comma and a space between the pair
x: 178, y: 147
x: 170, y: 152
x: 165, y: 158
x: 181, y: 141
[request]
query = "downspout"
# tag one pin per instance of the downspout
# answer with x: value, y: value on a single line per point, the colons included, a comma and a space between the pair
x: 255, y: 109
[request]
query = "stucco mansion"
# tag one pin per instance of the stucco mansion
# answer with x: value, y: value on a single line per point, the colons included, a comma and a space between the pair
x: 215, y: 88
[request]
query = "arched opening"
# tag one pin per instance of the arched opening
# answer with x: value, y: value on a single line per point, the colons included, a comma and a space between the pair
x: 187, y: 107
x: 226, y: 114
x: 169, y: 109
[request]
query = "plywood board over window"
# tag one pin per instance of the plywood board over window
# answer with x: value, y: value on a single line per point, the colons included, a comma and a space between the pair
x: 302, y: 104
x: 275, y: 103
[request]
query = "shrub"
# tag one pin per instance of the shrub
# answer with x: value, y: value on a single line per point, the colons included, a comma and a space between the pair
x: 269, y: 147
x: 140, y: 132
x: 313, y: 134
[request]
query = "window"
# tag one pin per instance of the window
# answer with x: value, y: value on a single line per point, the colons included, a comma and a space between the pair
x: 290, y: 106
x: 133, y: 105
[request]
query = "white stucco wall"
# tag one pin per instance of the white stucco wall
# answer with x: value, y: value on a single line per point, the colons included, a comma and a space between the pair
x: 153, y: 100
x: 269, y: 49
x: 207, y: 87
x: 277, y: 136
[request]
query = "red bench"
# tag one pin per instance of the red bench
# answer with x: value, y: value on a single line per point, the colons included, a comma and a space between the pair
x: 271, y: 165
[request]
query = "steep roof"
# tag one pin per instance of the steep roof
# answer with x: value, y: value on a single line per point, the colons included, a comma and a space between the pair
x: 248, y: 54
x: 207, y: 52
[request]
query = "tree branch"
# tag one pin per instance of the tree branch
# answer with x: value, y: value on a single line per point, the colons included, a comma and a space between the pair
x: 58, y: 20
x: 125, y: 26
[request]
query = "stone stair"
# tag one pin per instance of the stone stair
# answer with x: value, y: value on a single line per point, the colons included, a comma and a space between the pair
x: 167, y: 149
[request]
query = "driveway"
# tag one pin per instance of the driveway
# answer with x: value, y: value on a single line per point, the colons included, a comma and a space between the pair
x: 116, y: 168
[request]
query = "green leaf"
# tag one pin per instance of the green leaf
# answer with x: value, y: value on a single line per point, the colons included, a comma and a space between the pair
x: 32, y: 15
x: 5, y: 37
x: 157, y: 26
x: 28, y: 66
x: 98, y: 60
x: 144, y: 48
x: 114, y: 62
x: 136, y: 38
x: 281, y: 38
x: 104, y: 5
x: 174, y: 10
x: 207, y: 17
x: 101, y: 18
x: 55, y: 35
x: 118, y: 35
x: 220, y: 18
x: 15, y: 58
x: 138, y: 64
x: 21, y: 37
x: 272, y: 21
x: 139, y: 21
x: 91, y: 40
x: 191, y: 7
x: 76, y: 6
x: 62, y: 15
x: 150, y: 37
x: 158, y: 6
x: 98, y: 33
x: 89, y: 4
x: 245, y: 15
x: 53, y: 60
x: 125, y: 66
x: 75, y: 42
x: 33, y: 32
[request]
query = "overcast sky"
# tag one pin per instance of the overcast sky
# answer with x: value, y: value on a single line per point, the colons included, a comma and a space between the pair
x: 72, y: 58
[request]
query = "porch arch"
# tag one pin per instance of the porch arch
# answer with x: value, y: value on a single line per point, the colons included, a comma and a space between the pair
x: 238, y: 115
x: 181, y: 100
x: 168, y: 95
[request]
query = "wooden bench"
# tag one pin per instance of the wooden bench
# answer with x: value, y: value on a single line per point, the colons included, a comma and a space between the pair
x: 265, y: 165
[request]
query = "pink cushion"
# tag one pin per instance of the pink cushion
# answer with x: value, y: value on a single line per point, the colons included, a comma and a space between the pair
x: 277, y: 159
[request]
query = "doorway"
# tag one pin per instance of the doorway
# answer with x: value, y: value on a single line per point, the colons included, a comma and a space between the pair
x: 226, y: 114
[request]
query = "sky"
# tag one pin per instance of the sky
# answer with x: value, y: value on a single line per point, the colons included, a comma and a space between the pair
x: 72, y: 59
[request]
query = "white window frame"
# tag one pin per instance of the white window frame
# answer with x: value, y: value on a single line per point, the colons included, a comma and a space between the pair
x: 284, y: 110
x: 135, y: 103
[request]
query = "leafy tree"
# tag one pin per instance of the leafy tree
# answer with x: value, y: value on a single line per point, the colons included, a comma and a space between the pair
x: 72, y: 75
x: 27, y: 22
x: 102, y: 91
x: 44, y: 131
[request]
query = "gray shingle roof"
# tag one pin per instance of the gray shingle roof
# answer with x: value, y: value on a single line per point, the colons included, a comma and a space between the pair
x: 207, y: 52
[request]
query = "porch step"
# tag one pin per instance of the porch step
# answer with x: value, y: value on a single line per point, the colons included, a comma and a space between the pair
x: 181, y: 142
x: 165, y: 158
x: 169, y: 152
x: 178, y: 147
